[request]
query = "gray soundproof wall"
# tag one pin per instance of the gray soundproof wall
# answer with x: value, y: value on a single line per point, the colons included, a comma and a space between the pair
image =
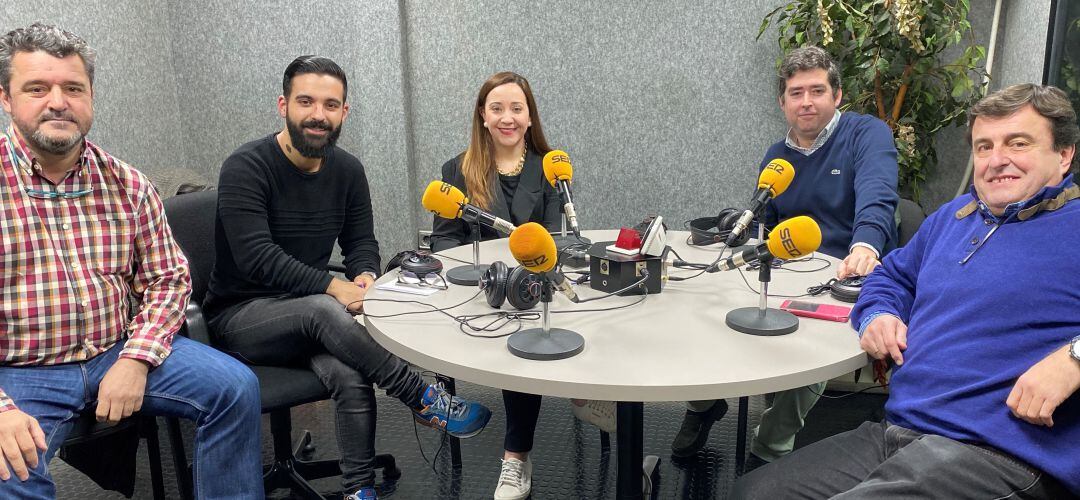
x: 664, y: 107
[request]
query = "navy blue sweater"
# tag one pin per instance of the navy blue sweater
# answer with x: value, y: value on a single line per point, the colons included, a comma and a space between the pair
x: 848, y: 186
x: 974, y: 328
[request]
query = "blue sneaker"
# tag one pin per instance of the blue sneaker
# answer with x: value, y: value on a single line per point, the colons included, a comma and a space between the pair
x: 460, y: 418
x: 365, y: 493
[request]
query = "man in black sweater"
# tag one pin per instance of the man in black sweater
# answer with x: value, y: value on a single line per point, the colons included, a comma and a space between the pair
x: 282, y: 202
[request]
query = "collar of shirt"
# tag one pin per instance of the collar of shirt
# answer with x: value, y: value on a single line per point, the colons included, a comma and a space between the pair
x: 1014, y: 208
x: 26, y: 161
x: 822, y: 137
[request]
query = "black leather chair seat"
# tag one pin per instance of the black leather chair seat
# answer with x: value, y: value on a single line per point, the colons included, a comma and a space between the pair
x: 283, y: 387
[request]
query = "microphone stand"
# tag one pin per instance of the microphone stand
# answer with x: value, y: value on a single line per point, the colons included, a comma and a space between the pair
x: 563, y: 240
x: 545, y: 343
x: 762, y: 320
x: 469, y: 275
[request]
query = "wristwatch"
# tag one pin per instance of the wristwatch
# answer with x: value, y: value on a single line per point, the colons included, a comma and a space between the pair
x: 371, y: 274
x: 1074, y: 348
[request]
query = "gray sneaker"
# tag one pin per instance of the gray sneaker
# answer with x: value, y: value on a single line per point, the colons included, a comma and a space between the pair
x: 695, y: 429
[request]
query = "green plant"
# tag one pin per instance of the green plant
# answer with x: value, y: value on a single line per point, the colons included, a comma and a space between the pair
x: 890, y: 54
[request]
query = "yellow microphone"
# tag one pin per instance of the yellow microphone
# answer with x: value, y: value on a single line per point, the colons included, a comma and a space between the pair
x: 794, y: 238
x: 776, y: 177
x: 448, y: 202
x: 533, y: 247
x: 444, y: 200
x: 773, y: 180
x: 559, y: 173
x: 557, y: 167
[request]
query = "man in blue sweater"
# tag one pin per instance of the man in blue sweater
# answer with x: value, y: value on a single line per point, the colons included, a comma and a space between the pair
x: 979, y: 314
x: 845, y: 179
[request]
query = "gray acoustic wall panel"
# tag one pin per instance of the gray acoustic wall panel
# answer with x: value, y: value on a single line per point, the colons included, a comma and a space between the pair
x: 230, y: 57
x: 135, y: 102
x: 1021, y: 47
x: 663, y: 109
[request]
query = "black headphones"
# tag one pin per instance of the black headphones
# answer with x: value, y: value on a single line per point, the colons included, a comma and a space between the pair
x: 847, y: 289
x: 709, y: 230
x: 419, y: 263
x: 518, y: 286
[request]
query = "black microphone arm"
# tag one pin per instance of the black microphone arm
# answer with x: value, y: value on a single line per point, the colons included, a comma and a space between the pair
x: 471, y: 213
x: 757, y: 204
x: 568, y: 205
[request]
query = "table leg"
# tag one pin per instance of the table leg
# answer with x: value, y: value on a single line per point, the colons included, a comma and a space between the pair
x: 630, y: 447
x: 455, y: 443
x: 740, y: 438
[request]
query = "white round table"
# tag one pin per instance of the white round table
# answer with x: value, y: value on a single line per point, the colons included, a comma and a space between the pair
x: 674, y: 346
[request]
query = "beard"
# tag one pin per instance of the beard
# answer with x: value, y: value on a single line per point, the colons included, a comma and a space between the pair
x: 310, y: 146
x: 55, y: 145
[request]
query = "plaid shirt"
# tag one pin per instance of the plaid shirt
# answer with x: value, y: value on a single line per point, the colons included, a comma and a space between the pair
x: 72, y: 268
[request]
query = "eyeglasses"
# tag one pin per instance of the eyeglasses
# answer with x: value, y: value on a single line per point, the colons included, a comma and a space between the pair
x: 432, y: 280
x: 54, y: 194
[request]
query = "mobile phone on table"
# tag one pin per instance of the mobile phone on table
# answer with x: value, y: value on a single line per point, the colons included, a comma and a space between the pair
x: 820, y: 311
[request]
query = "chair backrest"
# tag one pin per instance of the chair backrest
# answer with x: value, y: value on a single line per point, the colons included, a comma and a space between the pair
x: 911, y: 217
x: 192, y: 217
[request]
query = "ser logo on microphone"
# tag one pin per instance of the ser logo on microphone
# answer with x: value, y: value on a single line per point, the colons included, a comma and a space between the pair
x: 789, y: 245
x: 775, y: 166
x: 560, y: 159
x: 445, y: 188
x: 539, y: 261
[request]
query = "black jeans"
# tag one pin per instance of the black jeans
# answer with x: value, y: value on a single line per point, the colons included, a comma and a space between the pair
x: 879, y: 460
x: 316, y: 331
x: 522, y: 411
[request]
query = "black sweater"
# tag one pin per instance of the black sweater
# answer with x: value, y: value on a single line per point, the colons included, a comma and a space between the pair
x: 276, y: 225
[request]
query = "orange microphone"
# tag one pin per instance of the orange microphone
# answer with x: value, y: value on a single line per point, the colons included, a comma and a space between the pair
x: 773, y: 180
x: 559, y: 173
x: 791, y: 239
x: 448, y: 202
x: 533, y: 247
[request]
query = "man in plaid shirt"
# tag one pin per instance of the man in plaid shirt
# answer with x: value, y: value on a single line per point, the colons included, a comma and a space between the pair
x: 94, y: 289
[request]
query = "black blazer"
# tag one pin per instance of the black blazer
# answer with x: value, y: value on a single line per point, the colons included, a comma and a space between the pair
x: 534, y: 201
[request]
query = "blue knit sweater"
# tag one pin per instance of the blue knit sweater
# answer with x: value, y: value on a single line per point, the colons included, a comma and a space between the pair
x: 848, y: 186
x: 974, y: 328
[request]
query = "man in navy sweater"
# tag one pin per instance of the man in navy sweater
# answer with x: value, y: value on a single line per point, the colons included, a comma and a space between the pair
x: 979, y: 314
x: 845, y: 179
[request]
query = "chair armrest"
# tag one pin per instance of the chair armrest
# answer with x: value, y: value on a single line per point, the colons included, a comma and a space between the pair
x: 195, y: 327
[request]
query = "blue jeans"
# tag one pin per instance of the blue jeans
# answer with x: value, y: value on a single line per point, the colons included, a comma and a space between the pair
x: 195, y: 382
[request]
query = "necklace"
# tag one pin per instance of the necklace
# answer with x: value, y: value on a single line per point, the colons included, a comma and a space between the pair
x: 516, y: 170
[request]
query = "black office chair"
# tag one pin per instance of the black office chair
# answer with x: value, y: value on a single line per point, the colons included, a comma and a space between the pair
x: 911, y: 217
x: 191, y: 217
x: 87, y: 430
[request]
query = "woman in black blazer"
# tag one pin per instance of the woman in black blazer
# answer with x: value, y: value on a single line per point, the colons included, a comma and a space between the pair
x: 501, y: 172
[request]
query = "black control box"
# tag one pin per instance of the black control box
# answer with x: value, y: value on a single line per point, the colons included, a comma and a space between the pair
x: 611, y: 271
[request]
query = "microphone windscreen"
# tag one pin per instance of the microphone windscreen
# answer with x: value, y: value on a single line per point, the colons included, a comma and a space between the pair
x: 794, y: 238
x: 557, y: 166
x: 443, y: 199
x: 776, y: 177
x: 533, y: 247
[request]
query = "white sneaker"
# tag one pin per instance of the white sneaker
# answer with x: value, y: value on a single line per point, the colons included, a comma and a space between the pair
x: 598, y: 413
x: 515, y: 480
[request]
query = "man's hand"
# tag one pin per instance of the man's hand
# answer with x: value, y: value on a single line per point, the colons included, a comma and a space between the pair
x: 20, y: 439
x: 859, y: 262
x: 885, y: 336
x: 121, y: 390
x: 348, y: 294
x: 364, y: 281
x: 1040, y: 390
